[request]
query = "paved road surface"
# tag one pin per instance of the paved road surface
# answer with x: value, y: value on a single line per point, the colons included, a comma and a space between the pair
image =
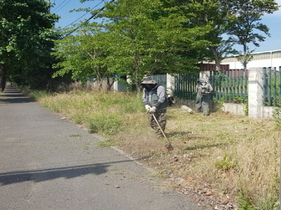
x: 50, y: 163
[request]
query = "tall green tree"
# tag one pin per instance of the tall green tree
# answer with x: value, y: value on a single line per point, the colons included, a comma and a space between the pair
x: 212, y: 14
x: 125, y: 42
x: 26, y: 38
x: 246, y: 25
x: 151, y: 36
x: 137, y: 37
x: 218, y: 52
x: 85, y: 54
x: 138, y: 47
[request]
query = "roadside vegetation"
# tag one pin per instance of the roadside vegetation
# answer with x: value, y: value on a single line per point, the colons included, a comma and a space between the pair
x: 227, y: 157
x: 232, y: 159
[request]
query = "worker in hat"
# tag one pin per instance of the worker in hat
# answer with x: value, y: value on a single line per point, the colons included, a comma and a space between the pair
x: 155, y: 102
x: 202, y: 102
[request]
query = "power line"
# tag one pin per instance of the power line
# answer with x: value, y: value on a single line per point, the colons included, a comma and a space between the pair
x: 56, y: 9
x: 61, y: 6
x: 88, y: 19
x: 84, y: 14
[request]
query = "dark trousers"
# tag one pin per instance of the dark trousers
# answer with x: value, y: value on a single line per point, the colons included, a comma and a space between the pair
x: 161, y: 118
x: 202, y: 103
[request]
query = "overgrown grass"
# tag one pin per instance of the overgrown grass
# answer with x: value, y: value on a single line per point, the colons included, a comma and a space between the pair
x: 235, y: 156
x: 100, y: 112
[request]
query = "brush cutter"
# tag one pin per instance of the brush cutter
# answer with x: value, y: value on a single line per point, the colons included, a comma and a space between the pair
x: 168, y: 145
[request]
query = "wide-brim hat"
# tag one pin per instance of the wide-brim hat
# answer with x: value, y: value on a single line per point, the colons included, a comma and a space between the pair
x: 147, y: 80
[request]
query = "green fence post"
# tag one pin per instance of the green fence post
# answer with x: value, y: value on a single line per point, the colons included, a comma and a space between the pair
x: 264, y: 86
x: 279, y: 81
x: 269, y: 86
x: 220, y: 85
x: 234, y: 78
x: 226, y: 86
x: 215, y: 88
x: 274, y: 87
x: 243, y: 82
x: 241, y: 85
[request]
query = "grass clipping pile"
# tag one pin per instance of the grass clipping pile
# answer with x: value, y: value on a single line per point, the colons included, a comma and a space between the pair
x: 223, y: 160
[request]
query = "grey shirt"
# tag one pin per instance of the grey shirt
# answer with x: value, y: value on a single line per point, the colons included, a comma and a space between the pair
x: 156, y: 97
x: 204, y: 88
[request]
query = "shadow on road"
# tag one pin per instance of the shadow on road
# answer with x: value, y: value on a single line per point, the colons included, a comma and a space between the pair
x: 12, y: 95
x: 50, y: 174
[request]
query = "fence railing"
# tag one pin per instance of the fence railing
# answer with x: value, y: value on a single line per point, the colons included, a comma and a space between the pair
x: 234, y: 86
x: 231, y: 85
x: 272, y: 87
x: 184, y: 86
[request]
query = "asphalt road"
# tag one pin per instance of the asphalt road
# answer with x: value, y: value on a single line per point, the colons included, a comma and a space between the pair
x: 47, y: 162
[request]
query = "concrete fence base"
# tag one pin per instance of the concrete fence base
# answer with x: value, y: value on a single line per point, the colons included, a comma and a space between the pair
x: 239, y: 109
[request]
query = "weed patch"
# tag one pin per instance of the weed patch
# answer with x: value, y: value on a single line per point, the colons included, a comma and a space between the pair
x: 104, y: 123
x: 226, y: 163
x: 107, y: 142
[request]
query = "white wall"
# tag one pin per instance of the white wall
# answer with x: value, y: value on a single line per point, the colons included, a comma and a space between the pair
x: 273, y: 61
x: 261, y: 63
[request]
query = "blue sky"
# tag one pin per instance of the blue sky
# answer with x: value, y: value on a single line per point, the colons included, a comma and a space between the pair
x: 273, y: 22
x: 62, y: 8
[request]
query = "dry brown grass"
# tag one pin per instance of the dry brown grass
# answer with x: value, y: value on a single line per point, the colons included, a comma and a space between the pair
x: 226, y: 151
x: 223, y: 152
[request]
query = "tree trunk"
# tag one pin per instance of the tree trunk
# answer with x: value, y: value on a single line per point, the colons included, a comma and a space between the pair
x: 109, y: 83
x: 2, y: 78
x: 216, y: 57
x: 245, y: 57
